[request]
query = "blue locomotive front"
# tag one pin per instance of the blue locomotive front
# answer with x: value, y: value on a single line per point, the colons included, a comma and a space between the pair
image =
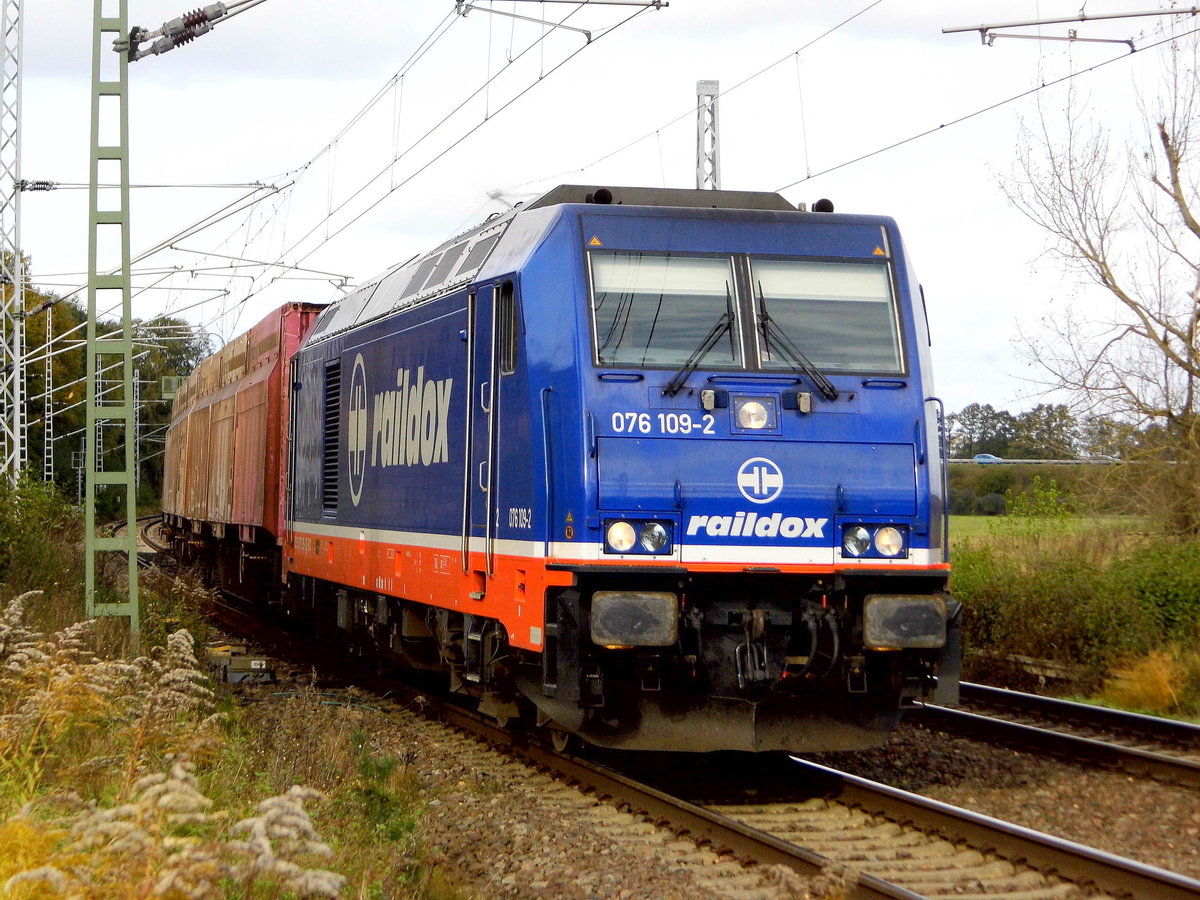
x: 660, y: 468
x: 745, y: 477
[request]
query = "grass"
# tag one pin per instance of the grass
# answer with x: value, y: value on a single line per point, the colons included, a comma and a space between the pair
x: 970, y: 528
x: 133, y: 778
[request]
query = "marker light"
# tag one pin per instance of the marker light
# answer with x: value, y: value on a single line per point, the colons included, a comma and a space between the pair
x: 621, y: 536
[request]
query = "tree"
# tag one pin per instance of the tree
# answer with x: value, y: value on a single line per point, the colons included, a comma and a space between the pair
x: 979, y: 428
x: 167, y: 346
x: 1045, y: 432
x: 1126, y: 222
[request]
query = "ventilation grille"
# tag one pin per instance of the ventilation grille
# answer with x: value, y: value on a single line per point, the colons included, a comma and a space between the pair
x: 333, y: 433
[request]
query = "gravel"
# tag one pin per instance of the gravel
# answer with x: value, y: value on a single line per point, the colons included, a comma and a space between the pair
x: 1153, y: 823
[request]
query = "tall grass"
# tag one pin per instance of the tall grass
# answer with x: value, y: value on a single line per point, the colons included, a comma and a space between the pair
x: 40, y: 537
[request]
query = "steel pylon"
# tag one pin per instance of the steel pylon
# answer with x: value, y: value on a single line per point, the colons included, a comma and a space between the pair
x: 110, y: 455
x: 708, y: 141
x: 14, y: 450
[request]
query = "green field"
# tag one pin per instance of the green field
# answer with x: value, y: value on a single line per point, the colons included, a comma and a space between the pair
x: 971, y: 527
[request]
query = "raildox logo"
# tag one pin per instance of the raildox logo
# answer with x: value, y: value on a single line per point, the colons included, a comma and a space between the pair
x: 760, y: 480
x: 407, y: 426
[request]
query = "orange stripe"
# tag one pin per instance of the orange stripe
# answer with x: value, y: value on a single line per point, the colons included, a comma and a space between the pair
x: 513, y: 594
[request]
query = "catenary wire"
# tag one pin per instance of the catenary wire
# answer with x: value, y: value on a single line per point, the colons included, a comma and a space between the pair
x: 452, y: 146
x: 691, y: 111
x: 986, y: 109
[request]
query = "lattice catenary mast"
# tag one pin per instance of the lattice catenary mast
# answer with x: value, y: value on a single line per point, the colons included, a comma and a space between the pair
x: 13, y: 447
x: 708, y: 144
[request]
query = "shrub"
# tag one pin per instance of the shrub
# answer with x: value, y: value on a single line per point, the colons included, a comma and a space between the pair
x: 1049, y: 585
x: 169, y: 842
x: 1164, y: 578
x: 40, y: 534
x: 66, y: 714
x: 989, y: 505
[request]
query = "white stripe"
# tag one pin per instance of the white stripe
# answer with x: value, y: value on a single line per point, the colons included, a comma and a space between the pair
x: 569, y: 551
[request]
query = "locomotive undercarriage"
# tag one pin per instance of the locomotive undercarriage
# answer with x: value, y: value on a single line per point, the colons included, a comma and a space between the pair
x: 756, y: 662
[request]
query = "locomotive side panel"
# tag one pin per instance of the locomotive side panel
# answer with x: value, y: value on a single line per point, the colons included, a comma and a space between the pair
x: 405, y: 433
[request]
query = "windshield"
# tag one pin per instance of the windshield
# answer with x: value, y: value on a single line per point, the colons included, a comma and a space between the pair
x: 656, y: 309
x: 839, y: 314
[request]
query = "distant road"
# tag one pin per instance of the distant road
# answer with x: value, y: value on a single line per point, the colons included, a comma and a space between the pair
x: 1040, y: 462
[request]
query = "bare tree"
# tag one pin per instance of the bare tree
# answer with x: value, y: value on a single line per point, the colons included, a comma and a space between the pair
x: 1126, y: 221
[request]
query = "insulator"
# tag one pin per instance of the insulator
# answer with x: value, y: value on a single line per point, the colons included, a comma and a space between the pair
x: 195, y: 17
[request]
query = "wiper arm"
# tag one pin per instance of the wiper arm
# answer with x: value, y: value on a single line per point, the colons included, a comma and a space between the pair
x: 791, y: 352
x: 677, y: 381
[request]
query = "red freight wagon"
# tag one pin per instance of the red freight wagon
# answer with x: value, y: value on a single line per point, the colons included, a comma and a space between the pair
x: 227, y: 450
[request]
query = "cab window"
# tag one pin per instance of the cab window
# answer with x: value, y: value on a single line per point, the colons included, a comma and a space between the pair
x: 653, y: 309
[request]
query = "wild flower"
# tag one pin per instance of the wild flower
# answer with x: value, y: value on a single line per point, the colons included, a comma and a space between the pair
x: 62, y: 707
x: 282, y: 831
x: 18, y: 643
x: 104, y: 727
x: 167, y: 843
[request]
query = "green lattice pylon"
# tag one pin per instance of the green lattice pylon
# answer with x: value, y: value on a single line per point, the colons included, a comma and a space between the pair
x: 110, y: 461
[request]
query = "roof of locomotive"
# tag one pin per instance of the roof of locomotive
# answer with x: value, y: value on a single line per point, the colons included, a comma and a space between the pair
x: 459, y: 260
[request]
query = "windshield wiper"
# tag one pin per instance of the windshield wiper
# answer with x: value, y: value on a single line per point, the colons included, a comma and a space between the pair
x: 790, y: 352
x: 722, y: 325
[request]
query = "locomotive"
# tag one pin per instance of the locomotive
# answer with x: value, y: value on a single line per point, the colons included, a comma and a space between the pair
x: 659, y: 468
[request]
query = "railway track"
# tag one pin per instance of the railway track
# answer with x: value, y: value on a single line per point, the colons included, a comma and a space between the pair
x: 1146, y: 746
x: 149, y: 545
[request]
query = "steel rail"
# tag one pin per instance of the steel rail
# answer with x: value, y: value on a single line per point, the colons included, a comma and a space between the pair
x: 1073, y: 862
x: 1090, y: 868
x: 1143, y: 763
x: 1138, y: 761
x: 749, y: 845
x: 1154, y: 727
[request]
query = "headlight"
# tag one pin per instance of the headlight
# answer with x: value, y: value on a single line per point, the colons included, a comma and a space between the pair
x: 639, y: 537
x: 621, y: 536
x: 654, y: 537
x: 752, y: 414
x: 870, y: 540
x: 889, y: 541
x: 856, y: 540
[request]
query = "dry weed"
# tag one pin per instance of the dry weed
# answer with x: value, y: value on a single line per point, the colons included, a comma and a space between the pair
x: 1154, y: 683
x: 64, y: 710
x: 168, y: 842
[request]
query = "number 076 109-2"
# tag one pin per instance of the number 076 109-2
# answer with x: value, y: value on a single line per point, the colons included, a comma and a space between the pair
x: 661, y: 423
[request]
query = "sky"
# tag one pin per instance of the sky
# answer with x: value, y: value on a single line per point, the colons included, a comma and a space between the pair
x: 867, y: 103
